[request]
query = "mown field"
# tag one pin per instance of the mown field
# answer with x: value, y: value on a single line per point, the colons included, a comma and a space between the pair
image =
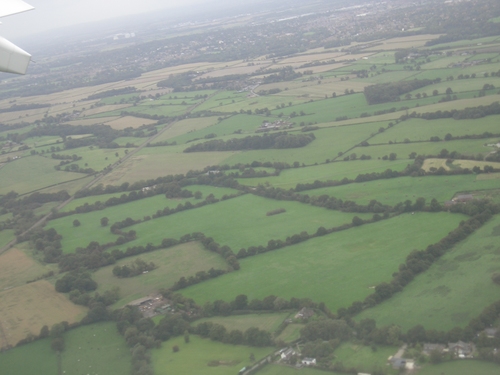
x: 195, y: 357
x: 330, y: 264
x: 364, y: 358
x: 42, y: 359
x: 267, y: 322
x: 453, y: 291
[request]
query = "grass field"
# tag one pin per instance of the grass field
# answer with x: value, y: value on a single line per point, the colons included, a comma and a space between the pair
x: 183, y: 260
x: 32, y: 173
x: 26, y: 309
x: 393, y: 191
x: 42, y: 359
x: 290, y: 333
x: 285, y: 370
x: 289, y: 178
x: 16, y: 268
x: 330, y: 264
x: 363, y: 358
x: 194, y: 357
x: 453, y: 291
x: 241, y: 222
x: 95, y: 349
x: 267, y: 322
x: 6, y: 236
x: 187, y: 126
x: 461, y: 367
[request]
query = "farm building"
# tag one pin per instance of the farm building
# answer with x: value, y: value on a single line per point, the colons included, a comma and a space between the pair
x: 462, y: 349
x: 429, y: 348
x: 309, y: 361
x: 304, y: 313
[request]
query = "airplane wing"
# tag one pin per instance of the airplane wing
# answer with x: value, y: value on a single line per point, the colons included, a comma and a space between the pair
x: 12, y: 58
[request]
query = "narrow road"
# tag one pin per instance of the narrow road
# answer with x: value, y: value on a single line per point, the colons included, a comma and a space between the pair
x: 101, y: 175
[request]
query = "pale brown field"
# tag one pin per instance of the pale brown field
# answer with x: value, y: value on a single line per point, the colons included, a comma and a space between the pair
x: 231, y: 70
x: 473, y: 163
x: 463, y: 103
x: 310, y: 57
x: 16, y: 268
x: 91, y: 121
x: 488, y: 176
x: 71, y: 187
x: 163, y: 163
x: 404, y: 42
x: 26, y: 309
x: 106, y: 108
x: 434, y: 163
x: 128, y: 122
x: 321, y: 68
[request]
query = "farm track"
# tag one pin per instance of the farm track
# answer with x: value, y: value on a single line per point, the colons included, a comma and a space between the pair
x: 100, y: 176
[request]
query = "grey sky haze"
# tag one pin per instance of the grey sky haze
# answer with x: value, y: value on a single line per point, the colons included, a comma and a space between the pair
x: 52, y: 14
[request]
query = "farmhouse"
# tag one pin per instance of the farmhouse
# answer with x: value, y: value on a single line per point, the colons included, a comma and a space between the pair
x: 462, y: 349
x: 309, y: 361
x: 287, y: 354
x: 304, y: 313
x: 491, y: 332
x: 429, y: 348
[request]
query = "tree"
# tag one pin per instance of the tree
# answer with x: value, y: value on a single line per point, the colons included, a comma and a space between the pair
x: 175, y: 348
x: 104, y: 221
x: 186, y: 336
x: 76, y: 223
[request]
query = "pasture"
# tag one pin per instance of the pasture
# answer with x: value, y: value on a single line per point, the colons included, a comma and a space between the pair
x: 396, y: 190
x: 461, y: 367
x: 241, y: 222
x: 186, y: 126
x: 290, y: 333
x: 34, y: 358
x: 182, y: 260
x: 95, y: 349
x: 289, y: 178
x: 267, y: 322
x: 203, y: 356
x: 6, y: 236
x: 339, y: 268
x: 452, y: 291
x: 31, y: 173
x: 26, y: 309
x: 363, y: 358
x: 285, y: 370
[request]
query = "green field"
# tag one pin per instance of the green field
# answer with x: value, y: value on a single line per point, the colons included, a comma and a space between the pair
x: 34, y: 358
x: 289, y: 178
x: 393, y: 191
x: 194, y: 357
x: 452, y: 291
x: 285, y: 370
x: 461, y: 367
x: 6, y: 236
x: 330, y: 264
x: 31, y: 173
x: 95, y: 349
x: 183, y: 260
x: 240, y: 222
x: 267, y: 322
x: 363, y: 358
x: 290, y: 333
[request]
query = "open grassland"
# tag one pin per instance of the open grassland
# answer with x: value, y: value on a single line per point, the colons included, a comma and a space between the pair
x: 91, y: 229
x: 461, y: 367
x: 195, y: 357
x: 289, y: 178
x: 95, y: 349
x: 183, y: 260
x: 28, y: 174
x: 34, y: 358
x: 187, y: 126
x: 71, y: 187
x: 16, y: 268
x: 26, y: 309
x: 152, y: 162
x: 267, y: 322
x: 129, y: 122
x: 327, y: 145
x: 291, y: 333
x: 393, y: 191
x: 453, y: 291
x: 363, y: 358
x: 422, y: 130
x: 339, y: 268
x: 6, y: 236
x: 241, y: 222
x: 402, y: 150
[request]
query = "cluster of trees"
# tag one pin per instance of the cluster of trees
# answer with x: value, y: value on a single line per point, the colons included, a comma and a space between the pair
x: 217, y: 332
x: 76, y: 280
x: 200, y: 276
x: 136, y: 268
x: 390, y: 92
x: 84, y: 298
x: 284, y: 74
x: 279, y: 140
x: 113, y: 92
x: 276, y: 212
x: 461, y: 114
x: 49, y: 243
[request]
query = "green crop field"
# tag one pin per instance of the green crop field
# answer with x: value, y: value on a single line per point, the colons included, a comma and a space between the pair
x: 461, y: 367
x: 393, y: 191
x: 195, y: 357
x: 444, y: 296
x: 330, y: 263
x: 267, y: 322
x: 95, y: 349
x: 34, y: 358
x: 240, y: 222
x: 173, y: 263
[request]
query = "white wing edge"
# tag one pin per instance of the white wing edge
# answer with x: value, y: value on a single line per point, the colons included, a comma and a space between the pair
x: 9, y: 7
x: 12, y: 58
